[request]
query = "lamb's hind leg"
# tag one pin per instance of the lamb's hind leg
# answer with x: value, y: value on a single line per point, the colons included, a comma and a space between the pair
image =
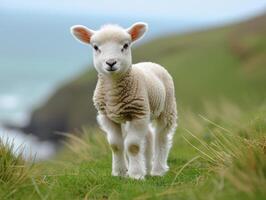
x: 163, y: 141
x: 149, y: 151
x: 115, y: 139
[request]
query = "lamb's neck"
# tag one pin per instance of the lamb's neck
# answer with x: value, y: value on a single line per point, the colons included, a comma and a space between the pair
x: 116, y: 84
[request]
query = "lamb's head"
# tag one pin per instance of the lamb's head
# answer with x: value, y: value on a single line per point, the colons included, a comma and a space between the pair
x: 111, y: 46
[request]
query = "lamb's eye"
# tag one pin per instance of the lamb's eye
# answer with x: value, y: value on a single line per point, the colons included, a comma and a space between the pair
x: 125, y: 46
x: 96, y: 48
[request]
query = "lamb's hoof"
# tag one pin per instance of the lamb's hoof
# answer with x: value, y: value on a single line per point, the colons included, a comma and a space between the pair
x: 137, y: 175
x: 120, y: 172
x: 161, y: 171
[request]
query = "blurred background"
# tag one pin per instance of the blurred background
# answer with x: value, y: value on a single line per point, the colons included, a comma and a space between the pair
x: 215, y: 50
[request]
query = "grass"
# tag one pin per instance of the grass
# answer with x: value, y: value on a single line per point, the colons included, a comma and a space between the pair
x: 235, y: 159
x: 209, y: 160
x: 14, y: 171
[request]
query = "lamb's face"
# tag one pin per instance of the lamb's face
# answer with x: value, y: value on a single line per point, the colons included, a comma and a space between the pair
x: 111, y: 46
x: 111, y: 50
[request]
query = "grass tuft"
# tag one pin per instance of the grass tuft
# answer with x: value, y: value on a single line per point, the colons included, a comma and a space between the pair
x: 13, y: 168
x: 15, y: 172
x: 241, y: 161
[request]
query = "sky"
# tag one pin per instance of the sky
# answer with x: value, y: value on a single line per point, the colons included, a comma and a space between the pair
x: 201, y: 10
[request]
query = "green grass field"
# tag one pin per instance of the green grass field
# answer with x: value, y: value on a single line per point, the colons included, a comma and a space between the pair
x: 217, y: 162
x: 219, y: 149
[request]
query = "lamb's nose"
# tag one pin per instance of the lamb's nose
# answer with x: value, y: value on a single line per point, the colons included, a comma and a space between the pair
x: 111, y: 62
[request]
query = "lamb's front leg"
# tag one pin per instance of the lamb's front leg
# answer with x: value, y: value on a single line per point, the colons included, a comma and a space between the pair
x: 135, y: 147
x: 115, y: 139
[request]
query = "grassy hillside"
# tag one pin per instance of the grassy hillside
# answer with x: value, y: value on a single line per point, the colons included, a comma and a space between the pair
x: 225, y: 64
x: 219, y: 149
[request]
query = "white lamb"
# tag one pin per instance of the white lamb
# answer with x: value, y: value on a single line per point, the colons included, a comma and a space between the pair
x: 131, y: 99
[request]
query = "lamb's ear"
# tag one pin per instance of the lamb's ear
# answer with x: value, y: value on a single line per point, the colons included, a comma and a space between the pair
x: 82, y: 33
x: 137, y: 30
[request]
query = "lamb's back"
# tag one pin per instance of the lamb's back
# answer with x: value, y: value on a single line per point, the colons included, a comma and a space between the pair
x: 153, y: 71
x: 158, y: 82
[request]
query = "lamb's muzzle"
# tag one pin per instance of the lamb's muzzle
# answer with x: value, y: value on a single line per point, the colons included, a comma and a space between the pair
x: 136, y: 103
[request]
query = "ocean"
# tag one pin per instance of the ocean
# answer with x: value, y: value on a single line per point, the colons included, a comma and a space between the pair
x: 38, y: 55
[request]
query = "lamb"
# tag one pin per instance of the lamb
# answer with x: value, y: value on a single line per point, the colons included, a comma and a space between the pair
x: 136, y: 102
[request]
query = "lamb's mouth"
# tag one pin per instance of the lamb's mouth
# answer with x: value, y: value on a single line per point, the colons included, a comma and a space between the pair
x: 111, y: 69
